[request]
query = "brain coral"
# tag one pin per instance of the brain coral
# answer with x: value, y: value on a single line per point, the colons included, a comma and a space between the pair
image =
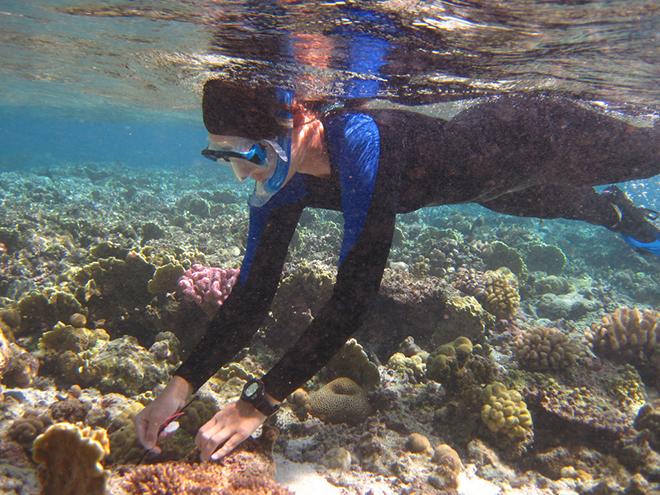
x: 544, y: 348
x: 70, y: 460
x: 340, y: 401
x: 504, y: 411
x: 629, y: 335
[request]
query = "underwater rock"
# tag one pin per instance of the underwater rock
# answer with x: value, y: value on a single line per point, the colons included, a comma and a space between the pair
x: 22, y: 369
x: 545, y: 258
x: 151, y: 231
x: 28, y: 427
x: 648, y: 418
x: 340, y: 401
x: 192, y: 203
x: 629, y: 335
x: 5, y: 354
x: 70, y: 458
x: 351, y: 361
x: 571, y: 306
x: 542, y: 348
x: 337, y: 458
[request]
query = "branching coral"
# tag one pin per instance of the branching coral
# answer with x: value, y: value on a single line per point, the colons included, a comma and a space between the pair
x: 543, y: 348
x: 70, y: 460
x: 504, y: 411
x: 629, y: 335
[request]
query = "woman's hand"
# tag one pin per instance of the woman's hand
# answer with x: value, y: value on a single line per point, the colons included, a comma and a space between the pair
x: 227, y: 429
x: 171, y: 400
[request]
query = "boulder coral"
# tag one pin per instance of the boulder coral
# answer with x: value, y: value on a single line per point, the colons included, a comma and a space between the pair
x: 497, y: 254
x: 446, y: 358
x: 545, y: 258
x: 630, y: 335
x: 543, y: 348
x: 41, y: 310
x: 340, y: 401
x: 505, y: 412
x: 165, y: 279
x: 70, y: 458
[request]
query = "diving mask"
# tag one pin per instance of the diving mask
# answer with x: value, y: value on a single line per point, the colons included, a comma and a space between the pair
x: 262, y: 155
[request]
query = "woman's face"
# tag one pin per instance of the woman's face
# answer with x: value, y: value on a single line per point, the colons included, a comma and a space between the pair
x: 243, y: 169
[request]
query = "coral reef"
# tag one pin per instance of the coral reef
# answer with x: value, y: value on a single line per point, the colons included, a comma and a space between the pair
x: 543, y: 348
x: 505, y: 412
x: 629, y: 335
x: 70, y: 458
x: 340, y: 401
x: 207, y: 286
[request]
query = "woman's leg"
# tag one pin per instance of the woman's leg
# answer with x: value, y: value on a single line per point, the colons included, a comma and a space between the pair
x: 543, y: 140
x: 611, y: 209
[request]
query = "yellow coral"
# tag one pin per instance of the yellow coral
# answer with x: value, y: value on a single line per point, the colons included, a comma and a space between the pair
x: 70, y: 460
x: 629, y: 335
x: 165, y: 279
x: 340, y: 401
x: 502, y: 298
x: 544, y: 348
x: 504, y: 411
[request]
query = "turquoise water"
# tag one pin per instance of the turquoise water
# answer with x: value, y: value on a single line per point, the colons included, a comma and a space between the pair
x: 102, y: 185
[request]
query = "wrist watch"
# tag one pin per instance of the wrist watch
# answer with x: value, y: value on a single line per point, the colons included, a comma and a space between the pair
x: 254, y: 393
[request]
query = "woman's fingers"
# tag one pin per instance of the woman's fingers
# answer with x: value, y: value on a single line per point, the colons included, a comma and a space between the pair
x: 229, y: 445
x: 213, y: 441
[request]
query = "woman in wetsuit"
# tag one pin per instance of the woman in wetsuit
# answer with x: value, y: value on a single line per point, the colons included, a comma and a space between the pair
x: 528, y: 156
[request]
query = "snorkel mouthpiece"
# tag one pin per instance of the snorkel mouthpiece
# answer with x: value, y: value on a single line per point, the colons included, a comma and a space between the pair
x: 263, y: 191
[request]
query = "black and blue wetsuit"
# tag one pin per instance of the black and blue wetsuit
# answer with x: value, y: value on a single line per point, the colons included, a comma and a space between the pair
x: 523, y: 156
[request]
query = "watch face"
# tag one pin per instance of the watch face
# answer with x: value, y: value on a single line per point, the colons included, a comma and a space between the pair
x: 251, y: 389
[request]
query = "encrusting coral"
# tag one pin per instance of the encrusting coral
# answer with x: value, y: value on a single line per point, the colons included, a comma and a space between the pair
x: 340, y: 401
x: 70, y: 458
x: 629, y: 335
x: 352, y: 361
x: 542, y: 348
x: 504, y: 411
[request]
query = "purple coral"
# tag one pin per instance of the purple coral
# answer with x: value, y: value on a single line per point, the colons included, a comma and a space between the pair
x: 208, y: 286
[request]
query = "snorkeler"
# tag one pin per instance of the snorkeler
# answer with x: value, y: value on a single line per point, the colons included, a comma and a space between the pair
x: 526, y: 156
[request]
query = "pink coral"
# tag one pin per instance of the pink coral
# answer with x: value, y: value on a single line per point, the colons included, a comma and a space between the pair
x: 208, y: 286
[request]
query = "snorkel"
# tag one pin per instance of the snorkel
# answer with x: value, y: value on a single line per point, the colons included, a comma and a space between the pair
x: 265, y: 190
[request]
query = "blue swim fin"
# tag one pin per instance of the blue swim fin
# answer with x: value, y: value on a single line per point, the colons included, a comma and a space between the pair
x: 652, y: 247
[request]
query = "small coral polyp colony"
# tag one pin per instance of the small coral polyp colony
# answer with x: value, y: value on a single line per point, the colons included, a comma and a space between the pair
x: 491, y: 342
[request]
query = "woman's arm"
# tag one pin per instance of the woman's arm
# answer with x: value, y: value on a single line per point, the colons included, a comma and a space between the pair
x: 369, y: 199
x: 271, y: 228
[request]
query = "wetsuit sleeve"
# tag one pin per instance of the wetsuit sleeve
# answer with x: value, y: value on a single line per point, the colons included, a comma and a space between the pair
x: 369, y: 200
x: 270, y: 230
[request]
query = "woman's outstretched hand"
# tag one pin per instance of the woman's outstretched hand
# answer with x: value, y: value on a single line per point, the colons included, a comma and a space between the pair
x: 149, y: 420
x: 227, y: 429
